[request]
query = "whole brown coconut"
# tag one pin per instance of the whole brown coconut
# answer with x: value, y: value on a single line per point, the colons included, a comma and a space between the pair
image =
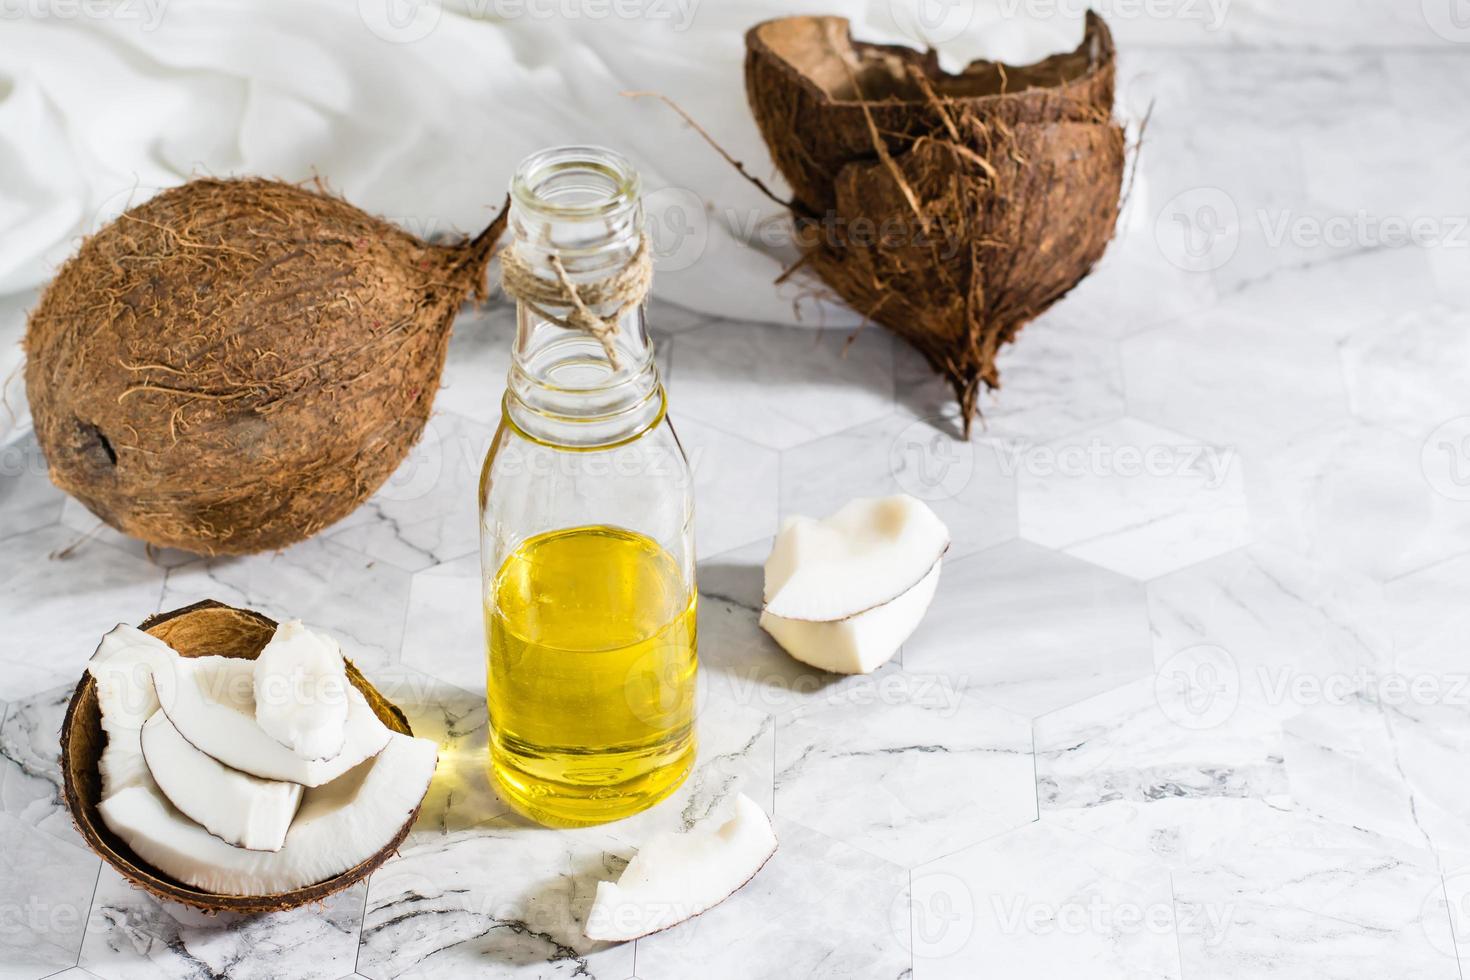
x: 952, y: 209
x: 236, y: 364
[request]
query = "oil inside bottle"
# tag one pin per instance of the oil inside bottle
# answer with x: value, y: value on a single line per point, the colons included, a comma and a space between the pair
x: 591, y: 675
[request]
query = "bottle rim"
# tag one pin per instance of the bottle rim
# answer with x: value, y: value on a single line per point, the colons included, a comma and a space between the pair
x: 607, y: 171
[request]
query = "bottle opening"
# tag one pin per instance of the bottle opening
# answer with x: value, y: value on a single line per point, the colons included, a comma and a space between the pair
x: 571, y: 182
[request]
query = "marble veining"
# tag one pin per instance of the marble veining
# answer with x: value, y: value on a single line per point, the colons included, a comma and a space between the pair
x: 1192, y: 700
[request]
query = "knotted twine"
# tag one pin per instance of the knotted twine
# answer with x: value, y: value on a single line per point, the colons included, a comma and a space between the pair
x: 621, y: 290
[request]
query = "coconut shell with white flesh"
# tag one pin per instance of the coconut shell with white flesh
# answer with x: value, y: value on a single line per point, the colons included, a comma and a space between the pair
x: 211, y: 701
x: 339, y: 826
x: 91, y: 748
x: 240, y: 809
x: 844, y: 592
x: 678, y: 876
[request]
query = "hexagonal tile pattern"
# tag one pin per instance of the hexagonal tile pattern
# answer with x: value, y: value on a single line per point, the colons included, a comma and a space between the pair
x: 133, y: 936
x: 1360, y: 498
x: 429, y: 509
x: 818, y: 908
x: 1286, y: 625
x: 1042, y: 901
x: 1132, y: 497
x: 960, y: 480
x: 46, y: 891
x: 728, y: 371
x: 504, y: 898
x: 738, y: 660
x: 1182, y: 732
x: 358, y: 599
x: 444, y: 630
x: 1412, y: 373
x: 1032, y: 630
x: 478, y: 362
x: 908, y: 769
x: 39, y: 584
x: 30, y: 773
x: 1232, y: 380
x: 1314, y: 909
x: 1054, y: 380
x: 27, y: 498
x: 736, y: 486
x: 1428, y: 621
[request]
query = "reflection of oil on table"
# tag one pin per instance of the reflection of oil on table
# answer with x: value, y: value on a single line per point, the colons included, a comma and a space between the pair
x: 1188, y: 700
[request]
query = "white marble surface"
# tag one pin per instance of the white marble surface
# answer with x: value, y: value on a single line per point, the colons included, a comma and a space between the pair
x: 1193, y: 699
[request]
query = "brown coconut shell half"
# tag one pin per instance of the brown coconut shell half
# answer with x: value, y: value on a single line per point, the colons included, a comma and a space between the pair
x: 950, y: 208
x: 233, y: 365
x: 206, y: 628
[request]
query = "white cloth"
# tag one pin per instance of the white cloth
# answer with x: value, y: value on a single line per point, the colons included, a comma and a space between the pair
x: 416, y: 112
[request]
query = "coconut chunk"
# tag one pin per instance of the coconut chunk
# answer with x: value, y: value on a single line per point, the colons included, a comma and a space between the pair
x: 339, y: 826
x: 301, y: 691
x: 238, y: 808
x: 211, y: 701
x: 870, y: 552
x: 678, y: 876
x: 123, y: 669
x: 858, y: 644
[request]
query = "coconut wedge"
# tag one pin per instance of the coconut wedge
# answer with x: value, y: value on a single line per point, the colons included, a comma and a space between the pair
x: 339, y: 826
x: 301, y: 691
x: 237, y: 808
x: 211, y: 701
x: 678, y: 876
x: 843, y: 593
x: 123, y: 668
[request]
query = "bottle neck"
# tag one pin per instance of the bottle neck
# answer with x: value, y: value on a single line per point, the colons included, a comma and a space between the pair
x: 563, y: 390
x: 577, y: 220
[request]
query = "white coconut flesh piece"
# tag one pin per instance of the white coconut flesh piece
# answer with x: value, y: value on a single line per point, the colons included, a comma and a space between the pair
x: 339, y: 826
x: 122, y: 669
x: 238, y: 808
x: 869, y: 553
x: 301, y: 691
x: 858, y: 644
x: 211, y: 701
x: 678, y: 876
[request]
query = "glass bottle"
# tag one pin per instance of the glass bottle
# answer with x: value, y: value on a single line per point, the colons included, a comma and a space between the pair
x: 586, y: 526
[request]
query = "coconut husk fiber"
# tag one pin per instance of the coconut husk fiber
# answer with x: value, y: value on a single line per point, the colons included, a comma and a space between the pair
x: 950, y: 208
x: 235, y: 364
x: 206, y: 628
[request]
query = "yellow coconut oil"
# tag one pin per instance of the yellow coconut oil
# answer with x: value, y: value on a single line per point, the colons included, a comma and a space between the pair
x: 590, y: 679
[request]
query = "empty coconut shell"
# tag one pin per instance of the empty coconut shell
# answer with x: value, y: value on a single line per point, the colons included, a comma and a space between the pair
x: 952, y: 209
x: 235, y: 364
x: 204, y: 629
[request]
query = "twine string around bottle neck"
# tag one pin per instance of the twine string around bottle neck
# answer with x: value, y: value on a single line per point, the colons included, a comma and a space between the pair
x: 622, y: 290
